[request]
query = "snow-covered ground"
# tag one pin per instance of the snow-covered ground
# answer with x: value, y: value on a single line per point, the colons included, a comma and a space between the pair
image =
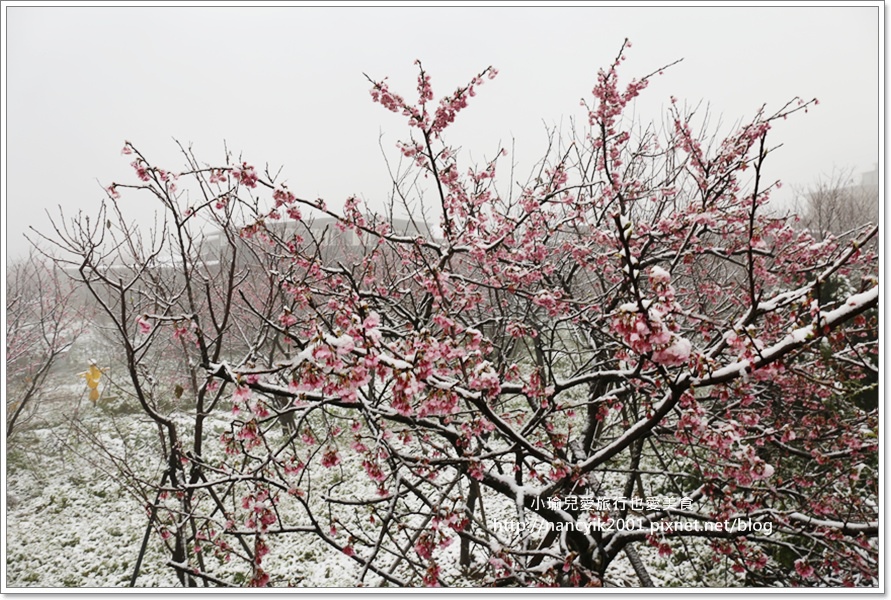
x: 72, y: 521
x: 69, y: 521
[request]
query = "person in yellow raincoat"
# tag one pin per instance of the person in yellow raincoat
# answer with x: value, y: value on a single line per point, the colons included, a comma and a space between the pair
x: 92, y: 375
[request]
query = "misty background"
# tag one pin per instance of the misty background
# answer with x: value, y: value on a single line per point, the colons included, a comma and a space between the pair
x: 284, y: 87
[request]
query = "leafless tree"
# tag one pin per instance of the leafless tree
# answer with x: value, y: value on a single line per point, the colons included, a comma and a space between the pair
x: 43, y: 319
x: 837, y: 204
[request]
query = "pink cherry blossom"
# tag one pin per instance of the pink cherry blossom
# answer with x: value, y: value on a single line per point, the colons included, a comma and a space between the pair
x: 245, y: 174
x: 803, y: 568
x: 330, y: 458
x: 144, y: 326
x: 677, y: 353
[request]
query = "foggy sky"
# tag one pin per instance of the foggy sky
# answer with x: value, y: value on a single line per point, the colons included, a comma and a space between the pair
x: 285, y: 86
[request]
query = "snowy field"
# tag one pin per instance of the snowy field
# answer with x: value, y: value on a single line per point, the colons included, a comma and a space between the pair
x: 72, y: 524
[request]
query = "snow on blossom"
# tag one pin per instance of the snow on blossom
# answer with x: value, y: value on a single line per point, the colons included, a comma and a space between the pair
x: 677, y: 353
x: 372, y: 321
x: 549, y: 300
x: 659, y: 275
x: 246, y: 174
x: 343, y: 344
x: 485, y: 378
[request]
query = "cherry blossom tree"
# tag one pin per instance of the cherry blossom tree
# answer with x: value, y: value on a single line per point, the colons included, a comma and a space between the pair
x: 451, y: 403
x: 43, y: 319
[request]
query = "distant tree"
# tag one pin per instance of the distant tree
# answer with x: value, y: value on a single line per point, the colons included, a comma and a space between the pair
x: 43, y: 319
x: 612, y: 358
x: 834, y: 210
x: 836, y: 205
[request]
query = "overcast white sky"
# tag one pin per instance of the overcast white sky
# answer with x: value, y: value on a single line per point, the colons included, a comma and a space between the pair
x: 284, y: 86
